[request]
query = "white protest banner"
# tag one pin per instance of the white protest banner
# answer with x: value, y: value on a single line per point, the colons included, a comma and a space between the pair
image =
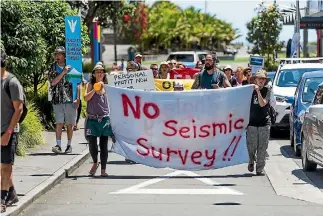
x: 133, y: 80
x: 188, y: 130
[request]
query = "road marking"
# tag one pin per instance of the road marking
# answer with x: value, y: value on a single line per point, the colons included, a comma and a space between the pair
x: 139, y: 188
x: 280, y: 173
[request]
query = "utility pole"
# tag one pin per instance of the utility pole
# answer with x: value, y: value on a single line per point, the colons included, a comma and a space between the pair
x: 305, y: 33
x: 298, y: 19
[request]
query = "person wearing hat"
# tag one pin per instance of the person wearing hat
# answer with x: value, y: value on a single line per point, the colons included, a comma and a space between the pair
x: 98, y: 120
x: 258, y: 130
x: 228, y: 72
x: 247, y: 76
x: 61, y: 93
x: 178, y: 86
x: 164, y: 70
x: 138, y: 60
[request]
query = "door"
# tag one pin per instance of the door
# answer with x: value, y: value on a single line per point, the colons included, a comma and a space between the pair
x: 317, y: 117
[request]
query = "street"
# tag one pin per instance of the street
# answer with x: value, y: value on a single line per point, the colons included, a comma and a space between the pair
x: 145, y: 191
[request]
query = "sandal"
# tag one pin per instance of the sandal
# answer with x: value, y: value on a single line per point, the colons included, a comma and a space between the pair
x: 104, y: 174
x: 93, y: 169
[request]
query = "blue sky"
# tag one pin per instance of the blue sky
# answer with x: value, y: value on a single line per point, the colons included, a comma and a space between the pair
x: 239, y: 12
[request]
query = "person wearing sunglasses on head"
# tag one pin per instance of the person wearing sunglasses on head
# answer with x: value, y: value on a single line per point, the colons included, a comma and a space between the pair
x: 154, y: 69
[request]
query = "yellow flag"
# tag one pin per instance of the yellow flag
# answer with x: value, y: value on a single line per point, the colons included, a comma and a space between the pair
x: 168, y: 84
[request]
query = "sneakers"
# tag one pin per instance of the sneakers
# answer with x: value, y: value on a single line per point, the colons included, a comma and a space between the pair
x: 58, y: 149
x: 12, y: 198
x: 3, y: 206
x: 68, y: 149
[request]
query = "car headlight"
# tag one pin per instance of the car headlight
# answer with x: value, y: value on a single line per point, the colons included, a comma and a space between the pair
x: 280, y: 98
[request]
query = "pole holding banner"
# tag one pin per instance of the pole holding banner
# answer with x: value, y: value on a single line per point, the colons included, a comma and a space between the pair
x: 96, y: 40
x: 73, y: 44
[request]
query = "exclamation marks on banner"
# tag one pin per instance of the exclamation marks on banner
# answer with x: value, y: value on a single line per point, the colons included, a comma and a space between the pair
x: 235, y: 141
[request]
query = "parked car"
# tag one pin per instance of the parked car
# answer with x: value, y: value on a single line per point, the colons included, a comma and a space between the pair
x: 302, y: 100
x: 284, y: 86
x: 229, y: 51
x: 188, y: 58
x: 312, y: 133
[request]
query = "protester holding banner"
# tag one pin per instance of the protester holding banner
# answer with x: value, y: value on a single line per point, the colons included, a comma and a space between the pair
x: 228, y: 72
x: 132, y: 66
x: 98, y: 120
x: 61, y: 91
x: 258, y: 130
x: 138, y: 61
x: 210, y: 77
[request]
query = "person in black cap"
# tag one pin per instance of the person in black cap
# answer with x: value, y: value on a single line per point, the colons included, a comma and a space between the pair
x: 62, y: 99
x: 12, y: 100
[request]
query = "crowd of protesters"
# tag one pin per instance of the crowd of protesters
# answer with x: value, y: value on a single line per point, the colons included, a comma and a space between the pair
x: 97, y: 125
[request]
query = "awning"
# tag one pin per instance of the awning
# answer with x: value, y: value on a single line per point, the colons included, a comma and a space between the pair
x: 311, y: 23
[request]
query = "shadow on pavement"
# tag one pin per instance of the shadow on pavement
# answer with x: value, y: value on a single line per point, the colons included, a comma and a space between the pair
x: 39, y: 175
x: 288, y: 152
x: 315, y: 177
x: 166, y: 177
x: 280, y: 134
x: 48, y: 154
x: 227, y: 203
x: 119, y: 163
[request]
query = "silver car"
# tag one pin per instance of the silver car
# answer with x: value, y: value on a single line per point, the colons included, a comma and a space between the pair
x: 312, y: 133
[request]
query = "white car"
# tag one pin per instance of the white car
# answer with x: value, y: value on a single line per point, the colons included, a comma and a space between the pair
x: 284, y: 87
x: 188, y: 58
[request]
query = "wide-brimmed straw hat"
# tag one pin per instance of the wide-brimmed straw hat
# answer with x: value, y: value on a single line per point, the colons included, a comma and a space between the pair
x: 260, y: 74
x: 98, y: 67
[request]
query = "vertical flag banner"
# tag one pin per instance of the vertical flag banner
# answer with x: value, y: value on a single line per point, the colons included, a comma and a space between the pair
x: 73, y: 44
x: 96, y: 41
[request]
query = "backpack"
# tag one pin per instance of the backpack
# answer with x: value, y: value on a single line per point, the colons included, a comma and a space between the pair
x: 7, y: 89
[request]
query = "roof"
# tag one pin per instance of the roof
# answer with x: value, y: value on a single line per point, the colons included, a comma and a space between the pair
x: 187, y: 52
x: 313, y: 74
x: 301, y: 66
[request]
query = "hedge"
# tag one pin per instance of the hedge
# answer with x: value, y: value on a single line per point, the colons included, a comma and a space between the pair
x: 31, y: 131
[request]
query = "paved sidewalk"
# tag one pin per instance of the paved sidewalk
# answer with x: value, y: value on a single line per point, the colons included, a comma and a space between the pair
x: 42, y: 169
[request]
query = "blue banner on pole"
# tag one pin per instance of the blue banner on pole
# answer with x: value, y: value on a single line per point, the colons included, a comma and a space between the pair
x: 73, y: 43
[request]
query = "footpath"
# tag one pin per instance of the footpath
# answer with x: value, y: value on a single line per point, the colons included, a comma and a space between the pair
x: 41, y: 169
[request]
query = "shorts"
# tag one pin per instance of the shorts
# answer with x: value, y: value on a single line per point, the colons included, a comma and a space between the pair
x: 8, y: 152
x: 98, y: 128
x: 65, y: 113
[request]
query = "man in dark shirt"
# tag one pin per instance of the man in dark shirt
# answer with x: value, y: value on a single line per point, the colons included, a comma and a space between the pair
x: 258, y: 130
x: 210, y: 77
x: 11, y: 110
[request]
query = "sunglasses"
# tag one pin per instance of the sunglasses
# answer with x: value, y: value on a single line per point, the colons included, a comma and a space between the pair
x: 154, y: 68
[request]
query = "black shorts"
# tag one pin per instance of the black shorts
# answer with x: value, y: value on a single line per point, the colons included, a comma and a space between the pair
x: 8, y: 152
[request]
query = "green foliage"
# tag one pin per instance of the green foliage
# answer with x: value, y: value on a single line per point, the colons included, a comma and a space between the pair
x: 44, y: 106
x: 263, y: 32
x: 168, y: 24
x: 31, y: 131
x: 30, y: 32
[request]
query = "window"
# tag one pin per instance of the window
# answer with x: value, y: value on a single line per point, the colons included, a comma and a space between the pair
x: 182, y: 57
x: 291, y: 77
x: 319, y: 95
x: 310, y: 88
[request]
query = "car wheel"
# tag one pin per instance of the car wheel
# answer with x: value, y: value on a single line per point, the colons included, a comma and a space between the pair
x: 307, y: 165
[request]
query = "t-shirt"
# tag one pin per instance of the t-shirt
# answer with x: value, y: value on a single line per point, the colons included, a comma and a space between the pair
x: 259, y: 116
x: 206, y: 80
x: 62, y: 92
x: 7, y: 108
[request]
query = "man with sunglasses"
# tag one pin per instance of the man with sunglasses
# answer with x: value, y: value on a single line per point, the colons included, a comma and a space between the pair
x: 154, y: 69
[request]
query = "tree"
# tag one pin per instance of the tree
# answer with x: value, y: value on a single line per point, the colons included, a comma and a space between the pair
x: 263, y: 33
x: 30, y: 32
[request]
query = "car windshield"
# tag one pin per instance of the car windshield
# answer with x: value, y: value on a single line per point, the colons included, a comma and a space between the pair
x: 181, y: 57
x: 291, y: 77
x: 310, y: 88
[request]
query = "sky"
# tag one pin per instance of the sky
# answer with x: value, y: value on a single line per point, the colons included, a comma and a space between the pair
x: 239, y: 12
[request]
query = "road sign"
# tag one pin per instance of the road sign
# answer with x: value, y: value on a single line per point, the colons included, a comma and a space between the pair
x: 140, y: 188
x: 256, y: 63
